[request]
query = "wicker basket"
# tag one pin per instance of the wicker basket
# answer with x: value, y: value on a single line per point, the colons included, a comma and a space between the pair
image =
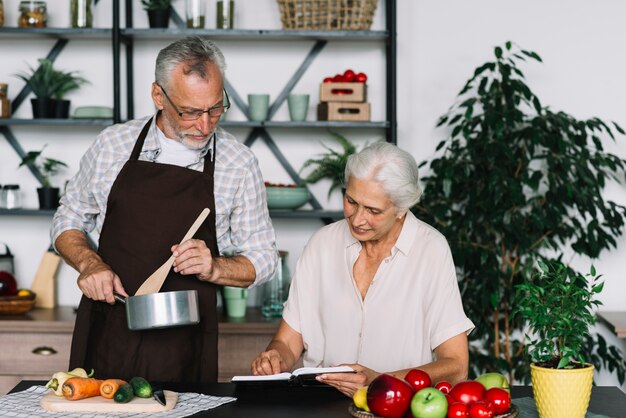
x: 14, y: 305
x: 327, y: 14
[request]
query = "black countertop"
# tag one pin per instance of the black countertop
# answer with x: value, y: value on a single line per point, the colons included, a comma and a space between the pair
x: 316, y: 402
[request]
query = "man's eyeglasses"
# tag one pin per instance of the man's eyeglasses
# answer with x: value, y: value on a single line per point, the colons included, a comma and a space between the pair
x: 189, y: 115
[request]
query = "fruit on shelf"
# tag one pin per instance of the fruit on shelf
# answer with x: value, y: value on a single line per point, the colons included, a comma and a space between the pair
x: 348, y: 76
x: 429, y: 403
x: 388, y: 396
x: 8, y: 284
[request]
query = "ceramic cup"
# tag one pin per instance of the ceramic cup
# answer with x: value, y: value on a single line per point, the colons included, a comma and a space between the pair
x: 235, y: 299
x: 298, y: 106
x: 259, y: 106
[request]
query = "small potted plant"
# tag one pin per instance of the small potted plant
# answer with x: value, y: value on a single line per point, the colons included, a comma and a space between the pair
x: 49, y: 86
x: 158, y: 12
x: 330, y: 165
x: 557, y: 305
x: 47, y: 167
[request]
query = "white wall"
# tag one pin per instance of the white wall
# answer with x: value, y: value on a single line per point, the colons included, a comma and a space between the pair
x: 439, y: 45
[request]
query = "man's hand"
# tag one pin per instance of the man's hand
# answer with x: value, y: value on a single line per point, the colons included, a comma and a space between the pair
x: 268, y: 362
x: 348, y: 383
x: 98, y: 282
x: 194, y: 257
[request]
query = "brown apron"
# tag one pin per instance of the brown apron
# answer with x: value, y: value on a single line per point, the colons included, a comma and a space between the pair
x: 150, y: 208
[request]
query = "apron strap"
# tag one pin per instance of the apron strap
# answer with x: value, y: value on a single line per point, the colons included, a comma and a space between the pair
x: 140, y: 140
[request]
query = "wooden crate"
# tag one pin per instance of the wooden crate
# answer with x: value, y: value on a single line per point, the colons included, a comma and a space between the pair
x: 343, y: 111
x: 343, y: 92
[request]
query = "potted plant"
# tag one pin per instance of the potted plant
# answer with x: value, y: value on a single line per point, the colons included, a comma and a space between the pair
x: 65, y: 82
x: 512, y: 181
x: 158, y: 12
x: 50, y: 85
x: 330, y: 165
x: 559, y: 323
x: 46, y: 167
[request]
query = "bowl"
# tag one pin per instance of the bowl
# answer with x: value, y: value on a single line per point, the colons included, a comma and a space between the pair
x: 286, y: 197
x: 93, y: 112
x: 17, y: 305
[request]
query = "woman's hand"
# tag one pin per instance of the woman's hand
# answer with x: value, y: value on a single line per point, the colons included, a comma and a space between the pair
x: 348, y: 383
x: 268, y: 362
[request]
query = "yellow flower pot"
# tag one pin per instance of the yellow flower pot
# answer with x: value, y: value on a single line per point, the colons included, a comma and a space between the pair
x: 561, y: 393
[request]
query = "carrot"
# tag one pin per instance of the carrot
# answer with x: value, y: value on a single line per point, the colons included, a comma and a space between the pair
x: 109, y: 387
x: 76, y: 388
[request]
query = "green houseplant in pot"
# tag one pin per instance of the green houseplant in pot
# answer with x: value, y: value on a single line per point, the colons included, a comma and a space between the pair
x: 512, y: 181
x: 158, y: 12
x: 47, y: 167
x: 50, y: 86
x: 330, y: 165
x: 557, y: 304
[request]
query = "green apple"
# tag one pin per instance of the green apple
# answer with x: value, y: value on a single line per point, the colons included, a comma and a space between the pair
x: 494, y: 380
x: 429, y: 403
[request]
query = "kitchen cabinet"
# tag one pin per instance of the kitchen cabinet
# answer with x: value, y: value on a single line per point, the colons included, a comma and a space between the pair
x: 37, y: 344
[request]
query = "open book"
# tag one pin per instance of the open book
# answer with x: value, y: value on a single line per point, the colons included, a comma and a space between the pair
x: 304, y: 376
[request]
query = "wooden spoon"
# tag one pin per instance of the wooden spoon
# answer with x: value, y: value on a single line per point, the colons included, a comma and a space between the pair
x: 155, y: 281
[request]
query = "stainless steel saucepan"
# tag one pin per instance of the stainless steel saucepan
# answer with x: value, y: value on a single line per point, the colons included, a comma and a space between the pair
x: 161, y: 310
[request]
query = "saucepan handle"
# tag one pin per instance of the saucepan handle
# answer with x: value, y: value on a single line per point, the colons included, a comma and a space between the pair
x: 119, y: 298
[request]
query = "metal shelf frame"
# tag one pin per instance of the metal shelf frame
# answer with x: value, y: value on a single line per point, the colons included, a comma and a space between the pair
x: 260, y: 130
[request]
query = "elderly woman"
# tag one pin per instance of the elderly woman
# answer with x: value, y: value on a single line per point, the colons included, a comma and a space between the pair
x: 376, y: 291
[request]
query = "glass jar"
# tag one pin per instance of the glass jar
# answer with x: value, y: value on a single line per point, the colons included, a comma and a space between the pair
x: 81, y: 15
x: 12, y: 196
x: 195, y: 11
x: 275, y: 291
x: 5, y: 103
x: 225, y: 14
x: 1, y: 14
x: 33, y: 14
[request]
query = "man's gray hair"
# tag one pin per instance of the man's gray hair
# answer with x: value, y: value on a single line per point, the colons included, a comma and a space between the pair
x: 393, y: 167
x: 195, y: 52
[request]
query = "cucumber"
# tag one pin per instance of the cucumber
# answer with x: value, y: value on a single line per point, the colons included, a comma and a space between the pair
x: 124, y: 393
x: 141, y: 387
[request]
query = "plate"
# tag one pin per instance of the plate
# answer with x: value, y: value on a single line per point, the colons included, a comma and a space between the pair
x: 359, y: 413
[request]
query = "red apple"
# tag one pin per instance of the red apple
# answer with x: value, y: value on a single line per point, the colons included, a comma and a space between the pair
x: 480, y: 409
x: 500, y: 400
x: 443, y: 386
x: 8, y: 284
x: 468, y: 391
x: 388, y: 396
x: 418, y: 379
x: 457, y: 410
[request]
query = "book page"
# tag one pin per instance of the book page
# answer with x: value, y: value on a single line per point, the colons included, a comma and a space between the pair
x: 269, y: 377
x: 322, y: 370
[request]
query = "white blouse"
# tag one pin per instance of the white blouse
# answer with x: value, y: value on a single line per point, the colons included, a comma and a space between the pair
x: 412, y: 305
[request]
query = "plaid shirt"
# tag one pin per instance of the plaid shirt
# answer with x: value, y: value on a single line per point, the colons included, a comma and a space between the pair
x: 242, y: 220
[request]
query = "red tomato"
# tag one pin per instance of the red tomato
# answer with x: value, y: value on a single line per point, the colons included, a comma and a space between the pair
x: 457, y: 410
x: 443, y: 386
x: 500, y: 400
x: 349, y: 76
x: 338, y: 78
x: 468, y: 391
x: 450, y: 399
x: 328, y: 80
x: 480, y: 409
x: 418, y: 379
x: 360, y: 78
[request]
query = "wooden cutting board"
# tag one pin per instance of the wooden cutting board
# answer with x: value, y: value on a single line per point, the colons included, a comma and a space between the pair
x: 51, y: 402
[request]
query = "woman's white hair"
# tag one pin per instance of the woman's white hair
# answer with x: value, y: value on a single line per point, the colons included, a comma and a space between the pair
x: 394, y: 168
